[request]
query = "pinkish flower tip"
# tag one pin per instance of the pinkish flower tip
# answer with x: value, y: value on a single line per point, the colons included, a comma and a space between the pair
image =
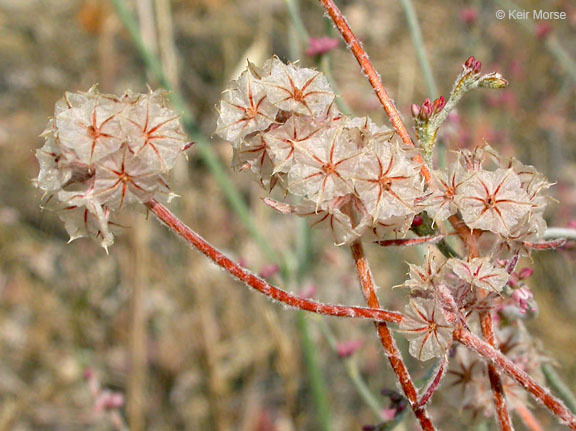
x: 348, y: 348
x: 542, y: 30
x: 525, y: 273
x: 388, y: 414
x: 415, y: 109
x: 309, y: 291
x: 321, y: 45
x: 438, y: 104
x: 469, y: 15
x: 417, y: 221
x: 88, y: 373
x: 269, y: 271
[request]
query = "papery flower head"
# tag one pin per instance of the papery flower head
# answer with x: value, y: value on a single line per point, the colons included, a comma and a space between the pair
x: 346, y: 174
x: 103, y: 152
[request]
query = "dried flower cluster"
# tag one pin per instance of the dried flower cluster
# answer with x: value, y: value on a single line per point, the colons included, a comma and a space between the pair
x: 346, y: 173
x: 103, y: 152
x: 356, y: 179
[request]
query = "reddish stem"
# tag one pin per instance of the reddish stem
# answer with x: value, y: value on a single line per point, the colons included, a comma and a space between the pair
x: 498, y: 395
x: 540, y: 393
x: 392, y: 352
x: 435, y: 383
x: 528, y: 418
x: 375, y: 81
x: 196, y: 241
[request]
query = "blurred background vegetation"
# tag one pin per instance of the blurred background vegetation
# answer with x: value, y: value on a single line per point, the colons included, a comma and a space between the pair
x: 189, y: 348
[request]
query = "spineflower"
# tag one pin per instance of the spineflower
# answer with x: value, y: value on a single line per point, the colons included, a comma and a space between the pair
x: 493, y: 201
x: 426, y: 328
x: 480, y: 272
x: 102, y: 152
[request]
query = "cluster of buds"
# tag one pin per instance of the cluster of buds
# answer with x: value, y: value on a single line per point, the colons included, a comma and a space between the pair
x: 430, y: 115
x: 473, y: 65
x: 427, y: 109
x: 103, y: 152
x: 344, y: 173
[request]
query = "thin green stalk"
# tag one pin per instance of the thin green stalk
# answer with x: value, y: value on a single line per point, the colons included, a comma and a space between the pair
x: 351, y: 367
x: 293, y: 7
x: 309, y: 349
x: 418, y: 42
x: 558, y: 385
x: 303, y: 259
x: 206, y: 153
x: 317, y: 381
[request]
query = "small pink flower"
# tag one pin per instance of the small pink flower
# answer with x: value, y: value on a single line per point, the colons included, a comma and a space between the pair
x: 269, y: 271
x: 321, y: 45
x: 469, y: 15
x: 525, y: 273
x: 308, y: 291
x: 524, y: 298
x: 542, y: 30
x: 348, y: 348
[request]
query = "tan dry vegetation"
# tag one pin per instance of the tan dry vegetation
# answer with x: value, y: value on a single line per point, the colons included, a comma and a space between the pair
x: 189, y: 347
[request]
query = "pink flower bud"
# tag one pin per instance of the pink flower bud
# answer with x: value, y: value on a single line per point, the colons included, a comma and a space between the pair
x: 269, y: 271
x: 348, y: 348
x: 309, y: 291
x: 388, y: 414
x: 469, y: 63
x: 524, y: 299
x: 438, y: 104
x: 417, y: 221
x: 525, y: 273
x: 426, y: 110
x: 477, y: 67
x: 415, y: 110
x: 321, y: 45
x: 542, y: 30
x: 469, y: 15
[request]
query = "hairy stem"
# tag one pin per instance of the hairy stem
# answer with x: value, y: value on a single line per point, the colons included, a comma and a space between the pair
x: 193, y: 239
x: 540, y: 393
x: 385, y: 335
x: 498, y: 395
x: 556, y: 383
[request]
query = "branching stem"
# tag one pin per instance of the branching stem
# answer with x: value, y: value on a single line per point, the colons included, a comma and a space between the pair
x: 385, y: 335
x: 255, y: 282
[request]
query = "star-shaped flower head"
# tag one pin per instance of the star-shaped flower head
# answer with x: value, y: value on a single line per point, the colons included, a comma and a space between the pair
x: 426, y: 276
x: 440, y: 204
x: 245, y: 108
x: 344, y: 216
x: 89, y: 124
x: 388, y: 182
x: 426, y: 328
x: 301, y: 90
x: 480, y: 272
x: 324, y: 166
x: 104, y: 151
x: 493, y: 201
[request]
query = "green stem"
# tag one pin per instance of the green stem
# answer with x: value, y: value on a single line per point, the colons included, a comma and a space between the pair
x: 317, y: 382
x: 418, y: 42
x: 207, y: 155
x: 309, y: 348
x: 351, y: 367
x: 294, y: 10
x: 558, y: 385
